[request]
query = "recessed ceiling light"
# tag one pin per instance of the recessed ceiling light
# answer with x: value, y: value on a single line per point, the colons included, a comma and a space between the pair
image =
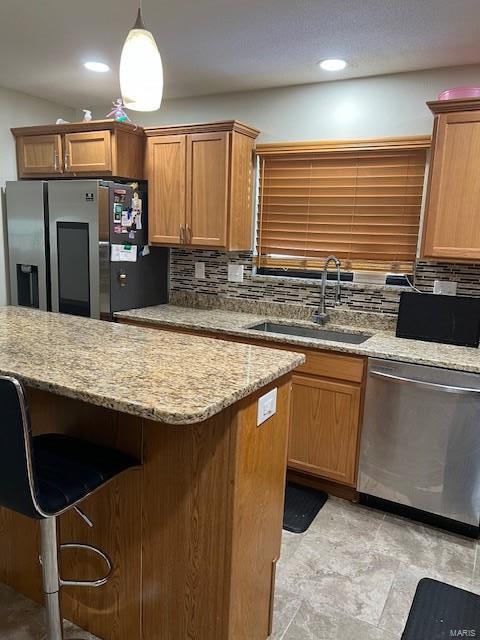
x: 99, y: 67
x: 333, y: 64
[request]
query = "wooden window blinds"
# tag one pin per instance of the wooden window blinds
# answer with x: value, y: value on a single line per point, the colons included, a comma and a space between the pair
x: 361, y: 203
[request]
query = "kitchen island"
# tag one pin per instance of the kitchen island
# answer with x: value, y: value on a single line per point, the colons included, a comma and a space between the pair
x: 194, y: 534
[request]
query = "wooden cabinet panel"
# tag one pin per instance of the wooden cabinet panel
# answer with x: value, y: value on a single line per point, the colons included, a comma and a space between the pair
x: 324, y: 428
x: 260, y: 463
x: 207, y: 180
x: 39, y: 155
x: 166, y: 163
x: 452, y: 219
x: 88, y: 152
x: 240, y: 230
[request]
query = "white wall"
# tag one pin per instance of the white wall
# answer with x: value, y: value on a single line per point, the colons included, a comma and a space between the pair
x: 392, y: 105
x: 17, y: 110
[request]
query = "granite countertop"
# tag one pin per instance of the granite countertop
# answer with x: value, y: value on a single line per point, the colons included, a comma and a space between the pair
x: 381, y: 344
x: 160, y: 375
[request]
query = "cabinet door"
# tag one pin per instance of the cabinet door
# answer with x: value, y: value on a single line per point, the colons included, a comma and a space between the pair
x: 324, y: 428
x: 452, y: 222
x: 88, y: 152
x: 207, y: 193
x: 39, y: 155
x: 166, y: 156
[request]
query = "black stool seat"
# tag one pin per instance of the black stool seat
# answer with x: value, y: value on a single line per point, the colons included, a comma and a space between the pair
x: 68, y: 469
x: 43, y: 476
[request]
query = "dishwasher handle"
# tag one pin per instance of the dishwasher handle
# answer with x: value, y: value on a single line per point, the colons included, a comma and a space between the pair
x: 388, y: 377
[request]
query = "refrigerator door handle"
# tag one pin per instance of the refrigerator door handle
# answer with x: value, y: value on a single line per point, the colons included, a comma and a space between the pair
x: 424, y: 385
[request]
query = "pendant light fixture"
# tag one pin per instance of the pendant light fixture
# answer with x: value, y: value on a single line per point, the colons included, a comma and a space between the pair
x: 141, y: 71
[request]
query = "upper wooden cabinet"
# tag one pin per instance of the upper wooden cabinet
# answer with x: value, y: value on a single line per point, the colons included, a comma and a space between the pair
x: 88, y: 152
x: 90, y: 149
x: 166, y: 173
x: 452, y: 215
x: 39, y: 155
x: 200, y: 180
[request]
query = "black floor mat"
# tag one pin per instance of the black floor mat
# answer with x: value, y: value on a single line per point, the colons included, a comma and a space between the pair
x: 440, y: 611
x: 301, y: 506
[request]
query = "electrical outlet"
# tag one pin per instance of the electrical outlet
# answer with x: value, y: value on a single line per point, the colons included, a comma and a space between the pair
x: 235, y: 272
x: 267, y: 406
x: 445, y: 287
x: 200, y: 270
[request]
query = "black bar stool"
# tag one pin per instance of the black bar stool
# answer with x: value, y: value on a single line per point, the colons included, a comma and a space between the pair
x: 42, y: 477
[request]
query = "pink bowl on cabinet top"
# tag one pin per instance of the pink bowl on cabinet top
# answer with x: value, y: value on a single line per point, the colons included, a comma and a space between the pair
x: 459, y: 93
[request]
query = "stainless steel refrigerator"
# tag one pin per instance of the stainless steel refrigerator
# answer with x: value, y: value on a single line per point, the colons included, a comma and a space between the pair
x: 81, y: 247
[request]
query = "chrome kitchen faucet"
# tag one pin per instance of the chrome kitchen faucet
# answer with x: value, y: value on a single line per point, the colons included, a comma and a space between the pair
x: 321, y: 316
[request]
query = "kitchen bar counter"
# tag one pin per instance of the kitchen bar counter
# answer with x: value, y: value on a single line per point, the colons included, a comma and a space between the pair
x: 176, y: 379
x: 194, y: 533
x: 382, y: 344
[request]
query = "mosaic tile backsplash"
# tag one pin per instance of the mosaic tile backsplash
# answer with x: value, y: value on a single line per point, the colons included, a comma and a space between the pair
x: 467, y: 276
x: 361, y: 297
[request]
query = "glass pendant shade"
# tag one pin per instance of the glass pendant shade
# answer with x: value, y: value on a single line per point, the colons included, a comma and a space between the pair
x: 141, y: 71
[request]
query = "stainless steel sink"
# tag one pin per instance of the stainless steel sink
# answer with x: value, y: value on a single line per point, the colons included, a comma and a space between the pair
x: 306, y: 332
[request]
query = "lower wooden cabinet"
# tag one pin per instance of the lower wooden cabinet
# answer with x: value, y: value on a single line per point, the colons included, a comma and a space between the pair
x: 324, y: 428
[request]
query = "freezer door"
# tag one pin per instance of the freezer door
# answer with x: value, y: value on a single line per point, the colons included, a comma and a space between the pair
x: 28, y: 244
x: 420, y: 442
x: 74, y: 246
x: 142, y: 283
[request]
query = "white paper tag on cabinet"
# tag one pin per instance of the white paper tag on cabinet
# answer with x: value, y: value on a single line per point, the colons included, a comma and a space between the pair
x: 267, y: 406
x: 124, y: 253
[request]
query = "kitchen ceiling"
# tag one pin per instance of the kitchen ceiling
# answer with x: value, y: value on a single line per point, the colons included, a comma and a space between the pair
x: 215, y: 46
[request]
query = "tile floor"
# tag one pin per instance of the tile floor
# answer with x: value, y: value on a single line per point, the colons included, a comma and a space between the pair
x: 351, y: 576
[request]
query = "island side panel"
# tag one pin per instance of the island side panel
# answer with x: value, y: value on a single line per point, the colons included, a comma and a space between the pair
x: 213, y: 505
x: 186, y: 507
x: 260, y: 470
x: 113, y: 611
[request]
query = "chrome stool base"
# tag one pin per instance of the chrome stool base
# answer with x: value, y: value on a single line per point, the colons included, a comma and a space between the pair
x: 51, y: 577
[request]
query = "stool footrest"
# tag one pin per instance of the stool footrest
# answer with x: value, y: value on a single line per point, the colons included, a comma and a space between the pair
x: 87, y: 583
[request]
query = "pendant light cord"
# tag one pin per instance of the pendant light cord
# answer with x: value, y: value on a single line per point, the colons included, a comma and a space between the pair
x: 139, y: 24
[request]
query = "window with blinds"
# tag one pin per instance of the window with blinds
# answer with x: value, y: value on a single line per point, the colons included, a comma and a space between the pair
x: 362, y: 205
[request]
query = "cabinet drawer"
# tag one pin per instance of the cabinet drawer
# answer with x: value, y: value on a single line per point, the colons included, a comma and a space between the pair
x: 327, y: 364
x: 332, y: 365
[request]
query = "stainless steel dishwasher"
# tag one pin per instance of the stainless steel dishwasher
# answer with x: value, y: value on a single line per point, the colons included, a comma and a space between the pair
x: 420, y: 445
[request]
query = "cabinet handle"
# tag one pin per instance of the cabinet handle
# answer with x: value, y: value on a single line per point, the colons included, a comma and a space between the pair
x: 189, y: 234
x: 66, y: 161
x: 55, y: 161
x: 182, y: 234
